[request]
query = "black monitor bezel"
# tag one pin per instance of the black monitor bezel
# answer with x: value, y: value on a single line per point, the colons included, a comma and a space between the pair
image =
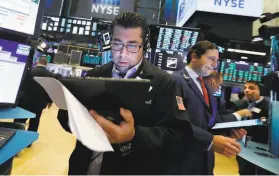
x: 25, y: 72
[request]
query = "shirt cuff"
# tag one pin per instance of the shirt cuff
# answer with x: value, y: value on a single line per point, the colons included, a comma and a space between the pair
x: 209, y: 148
x: 238, y: 117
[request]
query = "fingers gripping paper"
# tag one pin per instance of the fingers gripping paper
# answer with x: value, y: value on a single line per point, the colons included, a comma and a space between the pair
x: 81, y: 123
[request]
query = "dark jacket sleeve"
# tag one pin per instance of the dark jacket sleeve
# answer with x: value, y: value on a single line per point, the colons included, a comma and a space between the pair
x: 225, y: 118
x: 202, y: 139
x: 170, y: 131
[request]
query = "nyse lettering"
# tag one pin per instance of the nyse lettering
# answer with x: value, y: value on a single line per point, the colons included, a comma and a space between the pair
x: 105, y: 9
x: 230, y: 3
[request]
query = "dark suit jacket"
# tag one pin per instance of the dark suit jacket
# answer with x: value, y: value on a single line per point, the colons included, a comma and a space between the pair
x: 259, y: 133
x: 202, y: 118
x: 159, y: 130
x: 33, y: 96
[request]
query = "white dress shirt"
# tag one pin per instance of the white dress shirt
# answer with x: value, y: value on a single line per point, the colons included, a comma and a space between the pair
x: 238, y: 117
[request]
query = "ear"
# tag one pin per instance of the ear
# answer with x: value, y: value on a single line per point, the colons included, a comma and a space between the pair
x: 194, y: 56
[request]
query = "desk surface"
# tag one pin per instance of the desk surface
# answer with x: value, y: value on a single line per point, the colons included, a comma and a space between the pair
x: 16, y: 113
x: 18, y: 142
x: 248, y: 153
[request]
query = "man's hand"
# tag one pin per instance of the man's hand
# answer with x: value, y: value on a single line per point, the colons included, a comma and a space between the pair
x: 117, y: 134
x: 244, y: 113
x: 225, y: 146
x: 238, y: 133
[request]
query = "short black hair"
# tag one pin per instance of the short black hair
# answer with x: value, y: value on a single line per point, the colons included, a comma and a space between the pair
x: 199, y: 49
x: 131, y: 20
x: 253, y: 82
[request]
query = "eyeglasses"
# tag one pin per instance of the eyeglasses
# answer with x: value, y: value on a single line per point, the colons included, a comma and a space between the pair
x: 130, y: 48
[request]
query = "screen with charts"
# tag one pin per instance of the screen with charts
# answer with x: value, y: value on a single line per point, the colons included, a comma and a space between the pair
x: 19, y: 15
x: 91, y: 59
x: 175, y: 39
x: 13, y: 59
x: 241, y: 71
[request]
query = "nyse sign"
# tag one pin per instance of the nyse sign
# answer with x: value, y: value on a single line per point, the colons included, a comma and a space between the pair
x: 103, y: 9
x: 251, y: 8
x: 109, y: 10
x: 109, y: 7
x: 230, y: 3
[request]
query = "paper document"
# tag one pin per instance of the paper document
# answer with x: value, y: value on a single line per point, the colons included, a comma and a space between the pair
x: 237, y: 124
x: 81, y: 123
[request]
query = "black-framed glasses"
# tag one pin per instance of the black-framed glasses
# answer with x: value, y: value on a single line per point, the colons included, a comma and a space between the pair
x: 132, y: 48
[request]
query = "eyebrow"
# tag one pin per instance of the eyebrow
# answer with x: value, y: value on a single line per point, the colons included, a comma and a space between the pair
x: 130, y: 42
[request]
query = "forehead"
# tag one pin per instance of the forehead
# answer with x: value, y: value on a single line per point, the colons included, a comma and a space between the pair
x: 250, y: 85
x: 212, y: 53
x: 127, y: 34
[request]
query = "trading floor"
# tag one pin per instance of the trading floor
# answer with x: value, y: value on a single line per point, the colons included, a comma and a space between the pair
x: 49, y: 155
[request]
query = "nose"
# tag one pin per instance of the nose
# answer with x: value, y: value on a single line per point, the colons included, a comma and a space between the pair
x: 124, y: 51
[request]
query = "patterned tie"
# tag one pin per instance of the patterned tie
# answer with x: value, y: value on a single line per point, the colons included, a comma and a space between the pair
x: 205, y: 94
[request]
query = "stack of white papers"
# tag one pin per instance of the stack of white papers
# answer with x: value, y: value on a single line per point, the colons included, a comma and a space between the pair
x: 237, y: 124
x: 81, y: 123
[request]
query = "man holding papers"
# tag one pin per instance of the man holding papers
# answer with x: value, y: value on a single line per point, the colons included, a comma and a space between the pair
x: 144, y: 143
x: 259, y: 107
x: 253, y: 107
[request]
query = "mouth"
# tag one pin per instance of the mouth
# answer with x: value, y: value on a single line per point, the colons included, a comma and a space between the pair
x: 123, y: 63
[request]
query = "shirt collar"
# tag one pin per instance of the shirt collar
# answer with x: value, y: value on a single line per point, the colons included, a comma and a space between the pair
x: 192, y: 73
x: 130, y: 72
x: 259, y: 100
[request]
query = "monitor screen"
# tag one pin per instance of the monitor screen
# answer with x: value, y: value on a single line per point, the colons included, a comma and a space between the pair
x: 170, y: 46
x: 19, y: 15
x: 169, y: 60
x: 175, y: 39
x: 218, y: 93
x: 13, y: 61
x: 274, y: 54
x: 63, y: 48
x: 241, y: 71
x: 91, y: 59
x: 75, y: 57
x: 106, y: 57
x: 61, y: 58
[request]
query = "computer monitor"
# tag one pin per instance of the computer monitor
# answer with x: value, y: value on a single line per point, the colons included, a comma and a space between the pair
x: 61, y: 58
x: 14, y: 57
x: 242, y: 71
x: 172, y: 45
x: 274, y: 54
x: 173, y: 38
x: 75, y: 57
x: 21, y: 16
x: 219, y: 92
x: 91, y: 58
x: 169, y: 60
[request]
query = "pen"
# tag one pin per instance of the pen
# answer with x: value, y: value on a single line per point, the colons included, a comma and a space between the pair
x: 261, y: 148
